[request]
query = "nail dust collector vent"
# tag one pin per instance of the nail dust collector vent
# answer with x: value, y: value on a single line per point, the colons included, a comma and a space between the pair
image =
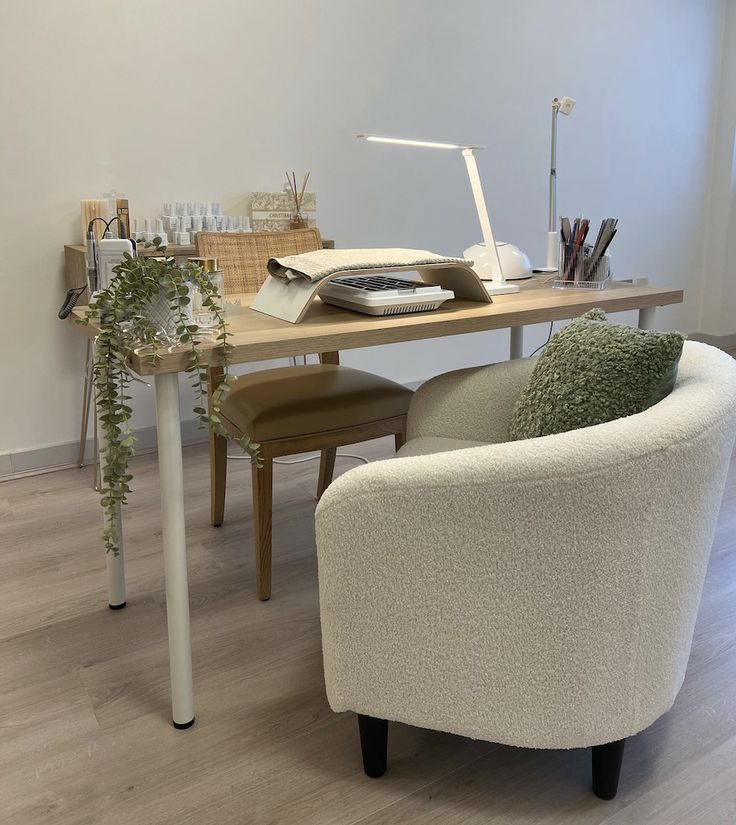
x: 383, y: 294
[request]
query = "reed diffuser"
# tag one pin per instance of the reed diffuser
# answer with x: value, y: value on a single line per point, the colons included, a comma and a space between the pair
x: 297, y: 218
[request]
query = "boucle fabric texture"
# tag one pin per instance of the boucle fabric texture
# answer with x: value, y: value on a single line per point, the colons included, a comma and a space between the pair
x: 451, y: 403
x: 424, y: 445
x: 538, y: 593
x: 593, y: 371
x: 314, y: 266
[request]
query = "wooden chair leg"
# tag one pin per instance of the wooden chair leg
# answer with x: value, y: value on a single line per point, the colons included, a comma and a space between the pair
x: 218, y: 457
x: 399, y: 440
x: 607, y: 761
x: 262, y: 506
x: 327, y: 462
x: 218, y: 478
x: 373, y: 744
x: 326, y: 470
x: 329, y: 357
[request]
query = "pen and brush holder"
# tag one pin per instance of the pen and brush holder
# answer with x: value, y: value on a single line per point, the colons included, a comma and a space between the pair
x: 577, y: 269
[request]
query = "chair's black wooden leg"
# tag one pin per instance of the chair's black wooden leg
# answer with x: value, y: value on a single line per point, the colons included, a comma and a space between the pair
x: 607, y: 768
x: 373, y: 744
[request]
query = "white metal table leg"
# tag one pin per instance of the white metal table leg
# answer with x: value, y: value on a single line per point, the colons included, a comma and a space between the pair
x: 175, y: 550
x: 646, y: 317
x: 97, y: 469
x: 516, y: 343
x: 116, y: 597
x: 87, y: 394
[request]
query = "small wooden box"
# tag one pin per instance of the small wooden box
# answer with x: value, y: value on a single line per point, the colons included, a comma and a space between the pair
x: 272, y: 211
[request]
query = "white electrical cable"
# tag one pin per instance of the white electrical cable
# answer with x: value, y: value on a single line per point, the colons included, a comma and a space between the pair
x: 302, y: 460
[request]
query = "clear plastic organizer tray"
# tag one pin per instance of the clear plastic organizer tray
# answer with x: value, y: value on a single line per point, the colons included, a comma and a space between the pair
x: 576, y: 268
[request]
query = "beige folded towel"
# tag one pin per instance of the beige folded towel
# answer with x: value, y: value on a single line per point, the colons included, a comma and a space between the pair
x: 313, y: 266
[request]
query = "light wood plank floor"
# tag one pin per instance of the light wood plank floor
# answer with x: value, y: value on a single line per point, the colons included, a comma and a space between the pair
x: 84, y: 696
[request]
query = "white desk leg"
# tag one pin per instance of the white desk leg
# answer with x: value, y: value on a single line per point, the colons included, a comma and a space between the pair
x: 116, y: 598
x: 116, y: 572
x: 646, y: 317
x: 517, y: 342
x: 175, y: 548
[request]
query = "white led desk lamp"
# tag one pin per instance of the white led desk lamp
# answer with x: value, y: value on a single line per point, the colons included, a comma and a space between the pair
x: 560, y: 105
x: 497, y: 284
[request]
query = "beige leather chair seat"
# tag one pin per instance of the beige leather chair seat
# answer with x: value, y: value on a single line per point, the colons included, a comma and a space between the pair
x: 288, y: 401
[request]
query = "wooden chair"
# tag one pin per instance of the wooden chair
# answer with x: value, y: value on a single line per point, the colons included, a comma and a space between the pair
x: 295, y: 409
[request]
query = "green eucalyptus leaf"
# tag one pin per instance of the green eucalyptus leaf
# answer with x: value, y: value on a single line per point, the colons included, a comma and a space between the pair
x: 135, y: 282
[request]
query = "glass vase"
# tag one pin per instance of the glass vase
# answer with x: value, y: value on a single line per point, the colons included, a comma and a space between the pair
x: 297, y: 221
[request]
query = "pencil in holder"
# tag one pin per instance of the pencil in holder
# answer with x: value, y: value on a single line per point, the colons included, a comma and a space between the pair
x: 577, y: 269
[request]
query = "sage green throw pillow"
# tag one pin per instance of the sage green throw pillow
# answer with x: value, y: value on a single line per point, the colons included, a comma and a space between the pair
x: 594, y: 371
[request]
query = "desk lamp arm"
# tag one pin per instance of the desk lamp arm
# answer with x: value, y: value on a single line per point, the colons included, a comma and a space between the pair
x: 485, y: 223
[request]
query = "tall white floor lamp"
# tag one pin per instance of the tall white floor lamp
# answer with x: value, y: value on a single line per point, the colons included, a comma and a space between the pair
x: 560, y: 106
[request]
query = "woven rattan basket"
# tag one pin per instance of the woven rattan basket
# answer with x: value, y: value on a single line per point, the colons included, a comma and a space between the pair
x: 243, y: 255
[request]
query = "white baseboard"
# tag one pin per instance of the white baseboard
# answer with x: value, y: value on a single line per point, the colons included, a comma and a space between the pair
x: 727, y: 342
x: 63, y: 456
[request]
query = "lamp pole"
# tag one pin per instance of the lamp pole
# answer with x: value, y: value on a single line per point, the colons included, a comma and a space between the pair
x: 552, y: 226
x: 560, y: 105
x: 485, y: 222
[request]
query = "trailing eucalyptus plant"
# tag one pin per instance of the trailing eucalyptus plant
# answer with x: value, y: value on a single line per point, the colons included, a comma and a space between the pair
x: 123, y: 313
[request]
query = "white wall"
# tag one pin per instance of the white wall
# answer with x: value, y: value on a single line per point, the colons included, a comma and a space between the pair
x: 198, y: 100
x: 719, y: 294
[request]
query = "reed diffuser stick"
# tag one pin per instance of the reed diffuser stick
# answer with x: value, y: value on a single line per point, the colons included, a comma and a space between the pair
x: 297, y: 221
x: 301, y: 194
x: 291, y: 187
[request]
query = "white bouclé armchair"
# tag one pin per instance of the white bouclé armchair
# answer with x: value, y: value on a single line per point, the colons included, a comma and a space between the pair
x: 538, y: 593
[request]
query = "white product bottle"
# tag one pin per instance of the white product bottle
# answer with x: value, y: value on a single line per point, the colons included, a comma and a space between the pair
x: 161, y: 232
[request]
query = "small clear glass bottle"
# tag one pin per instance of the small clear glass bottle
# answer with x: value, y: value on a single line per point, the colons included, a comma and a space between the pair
x: 203, y: 317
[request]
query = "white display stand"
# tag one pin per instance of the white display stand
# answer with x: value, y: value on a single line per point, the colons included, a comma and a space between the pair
x: 290, y: 300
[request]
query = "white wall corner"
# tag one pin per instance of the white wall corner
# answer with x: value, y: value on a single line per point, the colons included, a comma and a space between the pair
x: 717, y: 275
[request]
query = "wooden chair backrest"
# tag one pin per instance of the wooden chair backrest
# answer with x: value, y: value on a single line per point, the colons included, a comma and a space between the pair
x: 243, y: 256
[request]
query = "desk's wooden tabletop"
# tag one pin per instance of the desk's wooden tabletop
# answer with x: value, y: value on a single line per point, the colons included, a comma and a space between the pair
x: 258, y: 337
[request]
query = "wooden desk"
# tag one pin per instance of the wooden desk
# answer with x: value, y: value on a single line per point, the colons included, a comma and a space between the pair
x: 257, y: 337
